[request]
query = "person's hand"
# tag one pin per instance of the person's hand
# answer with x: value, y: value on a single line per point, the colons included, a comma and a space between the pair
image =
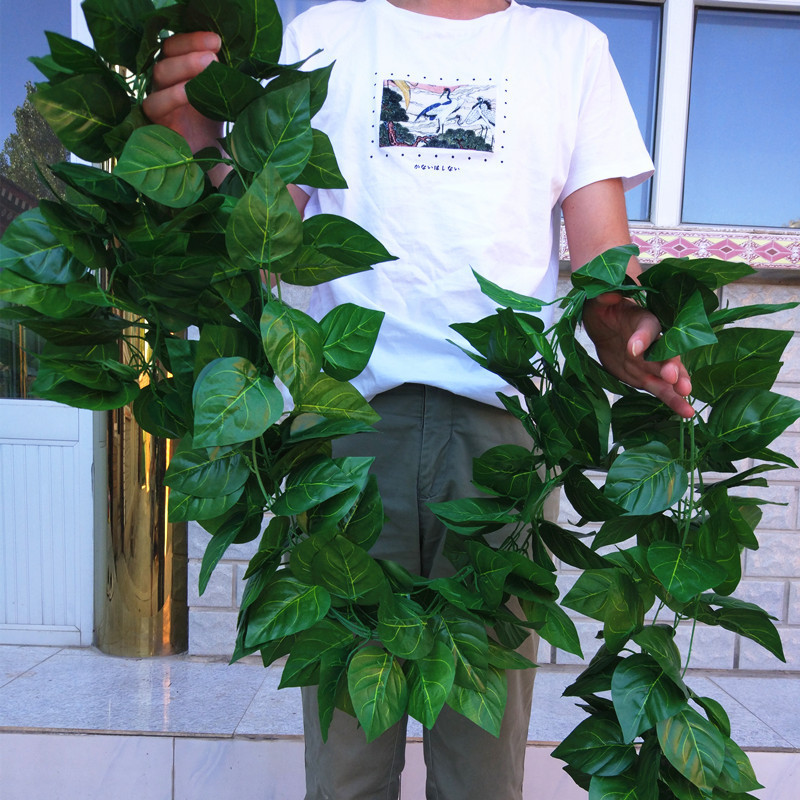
x: 622, y: 332
x: 184, y: 56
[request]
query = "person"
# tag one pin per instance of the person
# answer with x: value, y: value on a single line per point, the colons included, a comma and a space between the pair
x: 465, y: 129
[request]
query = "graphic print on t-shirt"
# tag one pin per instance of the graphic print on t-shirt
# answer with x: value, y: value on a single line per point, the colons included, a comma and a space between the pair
x: 460, y: 117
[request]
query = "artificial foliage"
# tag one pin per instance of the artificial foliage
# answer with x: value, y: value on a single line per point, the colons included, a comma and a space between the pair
x: 112, y: 276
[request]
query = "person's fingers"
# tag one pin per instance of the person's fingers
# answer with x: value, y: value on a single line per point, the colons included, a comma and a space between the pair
x: 183, y: 43
x: 180, y: 69
x: 159, y: 105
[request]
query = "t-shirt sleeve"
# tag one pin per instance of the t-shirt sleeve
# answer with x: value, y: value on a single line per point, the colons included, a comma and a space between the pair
x: 608, y: 143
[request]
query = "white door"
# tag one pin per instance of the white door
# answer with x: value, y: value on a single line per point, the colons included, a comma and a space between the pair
x: 46, y: 524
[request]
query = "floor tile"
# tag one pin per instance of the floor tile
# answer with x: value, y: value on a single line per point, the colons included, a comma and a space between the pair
x: 773, y: 700
x: 273, y: 711
x: 84, y: 690
x: 85, y: 767
x: 17, y: 659
x: 779, y: 773
x: 209, y: 769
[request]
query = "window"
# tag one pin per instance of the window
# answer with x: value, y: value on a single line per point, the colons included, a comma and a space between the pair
x: 742, y: 156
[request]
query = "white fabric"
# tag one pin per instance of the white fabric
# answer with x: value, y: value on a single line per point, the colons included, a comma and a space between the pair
x: 561, y: 121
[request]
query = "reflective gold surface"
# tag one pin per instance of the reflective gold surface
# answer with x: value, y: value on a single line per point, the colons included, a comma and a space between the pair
x: 140, y: 590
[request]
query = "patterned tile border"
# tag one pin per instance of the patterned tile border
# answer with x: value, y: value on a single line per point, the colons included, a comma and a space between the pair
x: 761, y: 250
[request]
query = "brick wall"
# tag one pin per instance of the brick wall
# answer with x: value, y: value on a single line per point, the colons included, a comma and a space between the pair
x: 771, y: 574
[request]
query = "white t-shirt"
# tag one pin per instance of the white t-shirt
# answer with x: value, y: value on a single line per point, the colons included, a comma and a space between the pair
x: 529, y: 108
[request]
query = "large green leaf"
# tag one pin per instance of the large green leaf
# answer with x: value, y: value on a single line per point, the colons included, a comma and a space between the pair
x: 710, y: 272
x: 690, y: 329
x: 658, y: 641
x: 322, y: 170
x: 158, y: 162
x: 312, y: 483
x: 49, y: 299
x: 69, y: 229
x: 466, y: 637
x: 403, y: 628
x: 378, y: 689
x: 275, y: 129
x: 471, y: 515
x: 347, y: 571
x: 117, y: 28
x: 608, y: 268
x: 30, y: 249
x: 233, y: 403
x: 222, y: 92
x: 737, y: 773
x: 265, y: 224
x: 693, y: 746
x: 749, y: 420
x: 363, y: 526
x: 344, y: 240
x: 336, y: 400
x: 73, y: 56
x: 681, y: 573
x: 288, y: 606
x: 596, y: 747
x: 350, y: 332
x: 94, y: 182
x: 293, y: 343
x: 507, y: 298
x: 646, y: 480
x: 643, y: 695
x: 485, y: 708
x: 184, y: 507
x: 206, y: 472
x: 82, y: 110
x: 613, y: 787
x: 554, y: 625
x: 309, y: 649
x: 430, y: 680
x: 52, y: 385
x: 308, y: 266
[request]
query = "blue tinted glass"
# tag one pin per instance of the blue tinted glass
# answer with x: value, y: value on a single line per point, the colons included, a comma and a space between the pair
x: 634, y: 36
x: 742, y: 158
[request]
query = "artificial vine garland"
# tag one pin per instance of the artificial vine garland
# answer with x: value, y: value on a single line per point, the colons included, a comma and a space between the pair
x: 114, y: 273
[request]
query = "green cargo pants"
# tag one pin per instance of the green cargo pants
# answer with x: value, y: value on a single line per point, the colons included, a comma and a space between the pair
x: 426, y: 441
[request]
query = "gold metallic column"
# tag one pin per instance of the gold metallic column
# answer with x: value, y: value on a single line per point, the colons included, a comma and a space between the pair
x: 140, y: 574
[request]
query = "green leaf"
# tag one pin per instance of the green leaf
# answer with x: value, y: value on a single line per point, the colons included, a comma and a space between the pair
x: 715, y: 713
x: 54, y: 301
x: 344, y: 241
x: 322, y: 169
x: 206, y: 472
x: 233, y: 403
x: 753, y: 623
x: 682, y: 574
x: 615, y: 787
x: 347, y: 571
x: 474, y: 514
x: 69, y: 229
x: 608, y: 269
x: 184, y: 507
x: 507, y: 298
x: 221, y: 92
x: 403, y: 628
x: 293, y: 343
x: 312, y: 483
x: 94, y: 182
x: 690, y: 329
x: 658, y: 641
x: 265, y: 225
x: 466, y: 637
x: 643, y: 695
x: 311, y: 646
x: 751, y: 419
x: 378, y: 690
x: 567, y: 547
x: 30, y: 249
x: 646, y: 480
x: 334, y: 400
x: 158, y: 162
x: 214, y: 551
x: 350, y: 332
x: 484, y: 708
x: 727, y: 315
x: 710, y: 272
x: 82, y: 110
x: 694, y: 747
x: 364, y: 525
x: 596, y: 747
x: 554, y: 625
x: 491, y: 570
x: 430, y: 680
x: 117, y: 28
x: 587, y: 499
x: 737, y: 773
x: 275, y: 129
x: 288, y: 606
x: 308, y: 266
x: 72, y: 55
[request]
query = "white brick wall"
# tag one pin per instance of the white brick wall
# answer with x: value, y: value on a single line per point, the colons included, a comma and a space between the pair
x: 771, y: 573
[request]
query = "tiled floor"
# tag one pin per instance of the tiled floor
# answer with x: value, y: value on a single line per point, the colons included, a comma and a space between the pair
x: 79, y: 725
